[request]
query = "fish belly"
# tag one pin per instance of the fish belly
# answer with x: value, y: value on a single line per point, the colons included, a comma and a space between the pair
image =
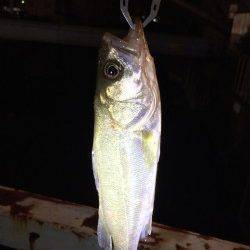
x: 126, y: 187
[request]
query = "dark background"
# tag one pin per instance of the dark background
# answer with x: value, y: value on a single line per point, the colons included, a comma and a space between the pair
x: 46, y: 116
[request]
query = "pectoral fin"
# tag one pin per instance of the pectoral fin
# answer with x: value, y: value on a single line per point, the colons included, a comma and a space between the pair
x: 150, y: 148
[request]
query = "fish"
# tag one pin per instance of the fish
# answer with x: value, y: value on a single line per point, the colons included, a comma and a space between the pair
x: 126, y: 144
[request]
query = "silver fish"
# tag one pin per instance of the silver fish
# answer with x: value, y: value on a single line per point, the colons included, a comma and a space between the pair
x: 126, y: 145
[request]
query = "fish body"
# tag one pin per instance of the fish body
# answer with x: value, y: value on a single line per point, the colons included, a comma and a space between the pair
x: 126, y: 144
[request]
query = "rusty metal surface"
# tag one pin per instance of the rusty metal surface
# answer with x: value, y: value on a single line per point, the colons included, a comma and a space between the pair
x: 30, y: 221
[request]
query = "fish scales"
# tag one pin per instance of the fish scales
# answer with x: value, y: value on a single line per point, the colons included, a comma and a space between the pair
x: 126, y: 145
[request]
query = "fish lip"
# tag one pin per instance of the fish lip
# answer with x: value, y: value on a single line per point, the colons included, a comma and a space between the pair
x: 120, y: 44
x: 109, y: 38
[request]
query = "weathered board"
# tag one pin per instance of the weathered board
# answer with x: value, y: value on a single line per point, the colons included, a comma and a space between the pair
x: 33, y: 222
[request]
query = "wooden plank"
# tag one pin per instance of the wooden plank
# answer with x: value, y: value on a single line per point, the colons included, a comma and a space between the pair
x: 33, y: 222
x: 91, y: 37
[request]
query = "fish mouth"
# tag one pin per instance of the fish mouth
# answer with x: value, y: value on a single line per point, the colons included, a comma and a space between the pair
x: 132, y: 43
x: 119, y: 44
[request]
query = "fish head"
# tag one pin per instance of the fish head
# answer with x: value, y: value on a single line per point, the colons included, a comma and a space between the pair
x: 126, y: 77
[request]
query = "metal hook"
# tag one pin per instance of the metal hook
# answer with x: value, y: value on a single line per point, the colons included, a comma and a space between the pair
x: 125, y: 12
x: 153, y: 12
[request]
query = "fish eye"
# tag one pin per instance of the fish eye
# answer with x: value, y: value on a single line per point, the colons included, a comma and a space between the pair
x: 112, y: 70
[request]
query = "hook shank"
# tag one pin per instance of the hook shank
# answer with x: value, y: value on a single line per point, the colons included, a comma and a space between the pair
x: 153, y: 12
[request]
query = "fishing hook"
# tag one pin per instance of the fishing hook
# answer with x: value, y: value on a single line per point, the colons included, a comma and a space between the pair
x: 153, y: 12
